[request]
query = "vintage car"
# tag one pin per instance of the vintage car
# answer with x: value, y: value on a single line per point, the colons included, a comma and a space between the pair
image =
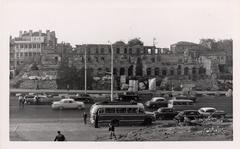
x: 68, y: 104
x: 84, y: 99
x: 190, y: 114
x: 211, y: 112
x: 157, y: 102
x: 165, y: 113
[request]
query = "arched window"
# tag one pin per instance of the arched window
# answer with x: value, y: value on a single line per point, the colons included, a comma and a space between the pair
x: 122, y: 71
x: 156, y: 71
x: 172, y: 71
x: 164, y: 72
x: 115, y: 71
x: 193, y: 70
x: 149, y: 71
x: 130, y: 71
x: 186, y: 70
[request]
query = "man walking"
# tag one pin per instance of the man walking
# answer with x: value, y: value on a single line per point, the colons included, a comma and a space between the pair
x: 85, y: 118
x: 59, y: 137
x: 112, y: 131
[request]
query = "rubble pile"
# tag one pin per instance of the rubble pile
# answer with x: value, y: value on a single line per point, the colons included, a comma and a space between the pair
x: 209, y: 131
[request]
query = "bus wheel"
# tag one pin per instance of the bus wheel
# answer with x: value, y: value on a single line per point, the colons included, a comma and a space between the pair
x: 148, y: 121
x: 115, y: 122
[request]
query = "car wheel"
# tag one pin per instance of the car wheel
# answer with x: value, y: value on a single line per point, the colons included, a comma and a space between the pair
x: 79, y: 107
x: 61, y: 108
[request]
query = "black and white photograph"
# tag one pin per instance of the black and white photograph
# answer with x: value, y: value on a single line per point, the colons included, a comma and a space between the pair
x: 97, y: 71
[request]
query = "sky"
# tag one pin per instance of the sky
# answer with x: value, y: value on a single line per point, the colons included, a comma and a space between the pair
x: 99, y: 21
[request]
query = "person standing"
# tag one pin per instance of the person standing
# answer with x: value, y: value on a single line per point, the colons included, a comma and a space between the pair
x: 20, y: 101
x: 85, y: 118
x: 60, y: 137
x: 112, y: 131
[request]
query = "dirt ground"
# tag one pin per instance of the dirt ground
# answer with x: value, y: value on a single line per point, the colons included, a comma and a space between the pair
x: 210, y: 131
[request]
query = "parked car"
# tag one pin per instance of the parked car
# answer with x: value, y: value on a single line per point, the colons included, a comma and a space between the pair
x: 128, y: 96
x: 30, y: 99
x: 157, y: 102
x: 190, y: 114
x: 165, y: 113
x: 212, y: 112
x: 86, y: 99
x: 68, y: 104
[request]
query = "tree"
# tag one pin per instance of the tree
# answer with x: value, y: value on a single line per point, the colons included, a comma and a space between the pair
x: 73, y: 78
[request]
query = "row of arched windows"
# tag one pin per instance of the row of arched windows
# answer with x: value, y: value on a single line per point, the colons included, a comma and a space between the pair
x: 156, y: 71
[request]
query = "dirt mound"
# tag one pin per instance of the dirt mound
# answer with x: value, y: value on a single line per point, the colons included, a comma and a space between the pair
x: 209, y: 132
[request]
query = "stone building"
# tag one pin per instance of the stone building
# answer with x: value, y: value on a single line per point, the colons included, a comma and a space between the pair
x: 30, y: 46
x: 135, y: 60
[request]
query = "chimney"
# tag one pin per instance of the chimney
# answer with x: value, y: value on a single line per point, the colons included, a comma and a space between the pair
x: 20, y: 34
x: 25, y: 32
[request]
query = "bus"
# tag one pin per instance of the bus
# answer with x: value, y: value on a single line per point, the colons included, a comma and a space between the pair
x: 120, y: 112
x: 181, y: 105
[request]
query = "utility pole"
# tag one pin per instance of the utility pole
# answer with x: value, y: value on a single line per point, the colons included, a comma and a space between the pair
x: 111, y: 71
x: 85, y: 69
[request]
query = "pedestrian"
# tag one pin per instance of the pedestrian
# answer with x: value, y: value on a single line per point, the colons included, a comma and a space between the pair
x: 85, y: 118
x: 23, y: 102
x: 60, y: 137
x: 112, y: 131
x: 20, y: 101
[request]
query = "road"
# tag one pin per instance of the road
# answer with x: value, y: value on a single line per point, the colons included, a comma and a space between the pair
x: 40, y: 122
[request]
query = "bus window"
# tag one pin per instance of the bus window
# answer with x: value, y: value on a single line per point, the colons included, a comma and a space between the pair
x: 132, y: 110
x: 100, y: 111
x: 121, y: 110
x: 110, y: 110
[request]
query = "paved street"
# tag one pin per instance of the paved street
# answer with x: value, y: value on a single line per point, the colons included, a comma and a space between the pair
x: 40, y: 122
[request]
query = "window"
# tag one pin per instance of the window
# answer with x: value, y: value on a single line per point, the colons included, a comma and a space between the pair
x: 121, y: 110
x: 21, y: 45
x: 110, y: 110
x: 25, y: 54
x: 96, y: 50
x: 30, y: 46
x: 156, y: 71
x: 25, y: 46
x: 118, y: 51
x: 96, y: 59
x: 102, y: 58
x: 102, y: 50
x: 132, y: 110
x: 21, y: 54
x: 125, y: 50
x: 34, y: 45
x: 100, y: 111
x: 149, y: 51
x: 30, y: 54
x: 148, y: 71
